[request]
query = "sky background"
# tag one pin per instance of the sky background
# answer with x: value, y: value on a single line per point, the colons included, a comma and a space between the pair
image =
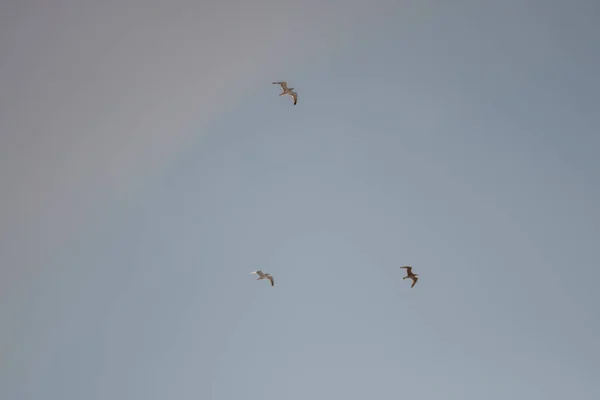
x: 147, y: 166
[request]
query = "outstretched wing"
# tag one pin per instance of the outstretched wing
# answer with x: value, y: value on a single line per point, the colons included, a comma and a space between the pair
x: 415, y: 279
x: 283, y: 85
x: 271, y: 279
x: 408, y: 270
x: 295, y: 96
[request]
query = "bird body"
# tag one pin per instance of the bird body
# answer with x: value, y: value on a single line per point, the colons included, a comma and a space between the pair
x: 410, y: 275
x: 286, y: 90
x: 262, y: 275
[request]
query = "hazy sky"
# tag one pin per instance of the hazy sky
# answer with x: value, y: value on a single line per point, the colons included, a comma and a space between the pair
x: 147, y: 166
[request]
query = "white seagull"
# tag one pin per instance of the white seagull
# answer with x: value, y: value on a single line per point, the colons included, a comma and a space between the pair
x: 410, y: 275
x: 288, y: 91
x: 262, y: 275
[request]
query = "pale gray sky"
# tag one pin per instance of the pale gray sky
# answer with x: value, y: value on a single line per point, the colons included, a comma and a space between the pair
x: 147, y: 165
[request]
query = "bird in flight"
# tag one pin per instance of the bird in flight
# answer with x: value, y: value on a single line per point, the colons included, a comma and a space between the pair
x: 288, y: 91
x: 411, y: 275
x: 262, y: 275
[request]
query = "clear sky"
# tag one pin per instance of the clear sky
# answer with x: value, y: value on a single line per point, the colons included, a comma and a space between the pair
x: 147, y: 166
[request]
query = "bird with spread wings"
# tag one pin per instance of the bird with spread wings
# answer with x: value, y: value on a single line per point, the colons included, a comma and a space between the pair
x: 262, y: 275
x: 410, y: 275
x: 288, y: 91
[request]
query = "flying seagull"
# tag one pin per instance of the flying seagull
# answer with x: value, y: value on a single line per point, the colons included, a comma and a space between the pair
x: 262, y: 275
x: 410, y: 275
x: 288, y: 91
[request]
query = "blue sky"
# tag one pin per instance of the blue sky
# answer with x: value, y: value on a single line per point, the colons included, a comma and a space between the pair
x: 149, y: 166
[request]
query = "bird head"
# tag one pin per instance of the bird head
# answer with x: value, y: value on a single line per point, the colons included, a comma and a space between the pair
x: 291, y: 88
